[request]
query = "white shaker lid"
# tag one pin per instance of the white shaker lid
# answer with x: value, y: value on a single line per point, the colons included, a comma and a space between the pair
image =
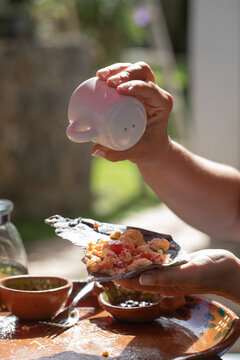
x: 125, y: 124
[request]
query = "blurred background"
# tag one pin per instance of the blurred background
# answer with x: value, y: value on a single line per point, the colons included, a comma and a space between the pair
x: 48, y: 47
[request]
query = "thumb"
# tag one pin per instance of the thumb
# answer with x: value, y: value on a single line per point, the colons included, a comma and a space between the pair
x: 176, y: 280
x: 163, y: 278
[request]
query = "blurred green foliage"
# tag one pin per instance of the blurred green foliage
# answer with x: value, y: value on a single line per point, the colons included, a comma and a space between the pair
x: 118, y: 189
x: 57, y: 10
x: 179, y: 75
x: 111, y: 25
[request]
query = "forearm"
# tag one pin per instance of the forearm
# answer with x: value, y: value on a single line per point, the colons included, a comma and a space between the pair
x: 204, y: 194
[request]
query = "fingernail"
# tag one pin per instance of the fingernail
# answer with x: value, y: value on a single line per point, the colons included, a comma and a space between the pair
x: 125, y: 87
x: 99, y: 153
x: 114, y: 80
x: 146, y: 279
x: 103, y: 72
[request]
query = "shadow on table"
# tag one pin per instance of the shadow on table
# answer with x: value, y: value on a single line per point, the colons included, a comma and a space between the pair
x: 71, y: 355
x: 172, y: 340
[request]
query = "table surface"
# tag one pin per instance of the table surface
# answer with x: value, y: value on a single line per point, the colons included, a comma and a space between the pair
x: 96, y: 332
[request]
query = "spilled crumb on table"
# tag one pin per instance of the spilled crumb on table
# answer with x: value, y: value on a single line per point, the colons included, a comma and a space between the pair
x: 105, y: 353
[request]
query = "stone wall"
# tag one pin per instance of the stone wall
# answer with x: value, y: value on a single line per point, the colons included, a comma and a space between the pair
x: 41, y: 170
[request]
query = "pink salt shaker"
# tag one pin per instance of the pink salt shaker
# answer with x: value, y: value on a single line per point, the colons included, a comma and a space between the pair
x: 100, y: 114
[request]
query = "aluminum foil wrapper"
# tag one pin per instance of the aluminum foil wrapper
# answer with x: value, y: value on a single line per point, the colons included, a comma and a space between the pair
x: 81, y: 231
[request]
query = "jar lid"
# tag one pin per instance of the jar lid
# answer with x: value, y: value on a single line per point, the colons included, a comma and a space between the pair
x: 6, y: 206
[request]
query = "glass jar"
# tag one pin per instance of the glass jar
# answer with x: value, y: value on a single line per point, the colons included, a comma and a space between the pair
x: 13, y: 259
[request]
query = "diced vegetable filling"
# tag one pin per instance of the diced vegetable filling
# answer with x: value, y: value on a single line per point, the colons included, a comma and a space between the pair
x: 124, y: 252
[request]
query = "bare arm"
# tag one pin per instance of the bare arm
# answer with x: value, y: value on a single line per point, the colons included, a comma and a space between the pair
x: 203, y: 193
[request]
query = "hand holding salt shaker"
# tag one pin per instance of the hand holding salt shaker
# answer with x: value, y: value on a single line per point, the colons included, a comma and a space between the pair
x: 100, y: 114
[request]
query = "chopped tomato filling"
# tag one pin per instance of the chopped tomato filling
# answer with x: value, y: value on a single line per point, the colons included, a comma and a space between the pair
x: 146, y: 256
x: 125, y: 252
x: 96, y: 225
x: 119, y: 264
x: 116, y: 246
